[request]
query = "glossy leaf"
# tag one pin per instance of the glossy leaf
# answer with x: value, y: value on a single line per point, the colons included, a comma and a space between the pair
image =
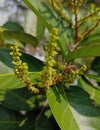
x: 86, y: 51
x: 92, y: 91
x: 73, y: 110
x: 6, y: 62
x: 21, y: 36
x: 49, y: 19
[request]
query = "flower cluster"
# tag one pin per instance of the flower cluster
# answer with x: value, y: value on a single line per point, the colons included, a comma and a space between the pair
x: 1, y: 37
x: 94, y: 10
x: 70, y: 73
x: 49, y: 73
x: 76, y: 4
x: 21, y: 68
x: 58, y: 8
x: 54, y: 72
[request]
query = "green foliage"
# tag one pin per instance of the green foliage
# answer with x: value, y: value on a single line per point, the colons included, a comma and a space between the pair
x: 96, y: 65
x: 8, y: 119
x: 7, y: 66
x: 37, y: 95
x: 13, y: 26
x: 87, y: 51
x: 21, y: 36
x: 73, y: 109
x: 19, y: 99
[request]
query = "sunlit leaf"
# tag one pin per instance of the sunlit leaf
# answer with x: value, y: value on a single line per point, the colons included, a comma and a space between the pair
x: 73, y: 109
x: 10, y: 81
x: 86, y: 51
x: 92, y: 91
x: 92, y: 39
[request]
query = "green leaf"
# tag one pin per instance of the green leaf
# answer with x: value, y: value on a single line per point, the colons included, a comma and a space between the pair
x: 9, y: 81
x: 38, y: 7
x: 19, y: 99
x: 91, y: 76
x: 6, y: 62
x: 73, y: 110
x: 21, y: 36
x: 48, y: 19
x: 4, y: 68
x: 32, y: 124
x: 96, y: 65
x: 8, y: 119
x: 45, y: 124
x: 40, y: 29
x: 35, y: 65
x: 86, y: 51
x: 11, y: 25
x: 92, y: 91
x: 92, y: 39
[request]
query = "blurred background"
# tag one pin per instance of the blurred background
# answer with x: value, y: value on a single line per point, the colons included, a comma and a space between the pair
x: 15, y: 11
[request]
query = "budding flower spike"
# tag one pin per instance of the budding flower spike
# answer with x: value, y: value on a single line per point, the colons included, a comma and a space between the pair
x: 49, y: 73
x: 21, y: 68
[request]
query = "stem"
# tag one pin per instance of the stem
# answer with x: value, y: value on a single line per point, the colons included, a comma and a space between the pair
x: 40, y: 114
x: 60, y: 12
x: 76, y: 28
x: 83, y: 20
x: 76, y: 22
x: 91, y: 29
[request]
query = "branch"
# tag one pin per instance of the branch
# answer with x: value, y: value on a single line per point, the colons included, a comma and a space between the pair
x: 59, y: 12
x: 91, y: 29
x: 76, y: 22
x: 40, y: 114
x: 84, y: 19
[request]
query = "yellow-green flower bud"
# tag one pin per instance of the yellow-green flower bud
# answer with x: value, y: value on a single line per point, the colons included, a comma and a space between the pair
x: 49, y: 71
x: 21, y: 68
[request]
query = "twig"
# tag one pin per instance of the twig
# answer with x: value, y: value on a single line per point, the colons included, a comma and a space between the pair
x: 40, y: 114
x: 60, y: 13
x: 76, y: 22
x: 91, y: 29
x: 83, y: 20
